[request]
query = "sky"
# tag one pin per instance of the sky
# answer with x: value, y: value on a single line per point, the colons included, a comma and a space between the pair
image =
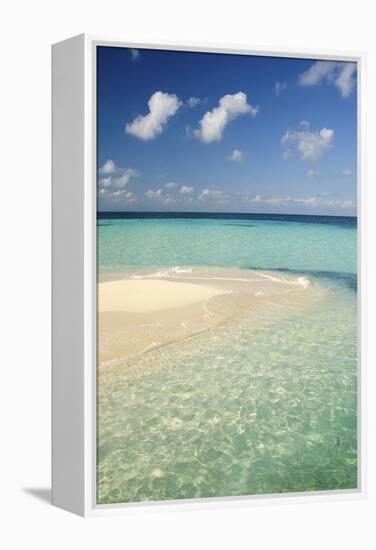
x: 205, y: 132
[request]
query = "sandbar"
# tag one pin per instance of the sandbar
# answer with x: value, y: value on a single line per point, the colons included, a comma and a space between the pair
x: 138, y: 313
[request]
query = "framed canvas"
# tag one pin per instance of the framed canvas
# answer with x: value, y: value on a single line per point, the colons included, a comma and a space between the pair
x: 208, y: 290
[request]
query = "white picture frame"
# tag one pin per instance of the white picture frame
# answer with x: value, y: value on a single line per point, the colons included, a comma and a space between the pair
x: 74, y: 279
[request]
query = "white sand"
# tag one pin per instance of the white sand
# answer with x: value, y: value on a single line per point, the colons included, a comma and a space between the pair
x: 148, y: 295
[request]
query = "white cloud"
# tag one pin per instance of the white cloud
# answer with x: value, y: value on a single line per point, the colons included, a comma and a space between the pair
x: 162, y: 106
x: 121, y: 180
x: 170, y: 185
x: 304, y: 124
x: 316, y: 72
x: 186, y: 189
x: 131, y: 197
x: 119, y: 193
x: 348, y: 204
x: 346, y: 172
x: 105, y: 182
x: 236, y: 155
x: 122, y: 193
x: 310, y: 173
x: 340, y: 74
x: 314, y: 201
x: 154, y: 194
x: 213, y: 195
x: 279, y: 87
x: 267, y: 200
x: 213, y: 123
x: 310, y: 145
x: 135, y: 54
x: 193, y: 102
x: 214, y: 198
x: 118, y: 196
x: 109, y: 167
x: 169, y: 199
x: 204, y: 193
x: 158, y: 195
x: 345, y: 82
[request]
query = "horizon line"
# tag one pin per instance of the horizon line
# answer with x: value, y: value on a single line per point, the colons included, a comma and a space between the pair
x: 219, y: 213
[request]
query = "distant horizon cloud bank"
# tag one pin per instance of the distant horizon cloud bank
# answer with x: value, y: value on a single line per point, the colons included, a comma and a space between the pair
x: 187, y: 197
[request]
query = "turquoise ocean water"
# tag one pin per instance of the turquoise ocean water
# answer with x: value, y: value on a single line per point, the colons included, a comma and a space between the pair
x: 236, y: 410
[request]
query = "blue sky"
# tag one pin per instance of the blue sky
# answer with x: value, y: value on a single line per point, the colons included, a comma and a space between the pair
x: 181, y: 131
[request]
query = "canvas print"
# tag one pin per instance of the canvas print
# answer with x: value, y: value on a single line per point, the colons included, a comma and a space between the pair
x: 227, y: 275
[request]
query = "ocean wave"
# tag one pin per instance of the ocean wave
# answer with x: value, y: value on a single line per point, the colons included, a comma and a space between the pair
x: 300, y: 281
x: 175, y: 270
x: 347, y: 279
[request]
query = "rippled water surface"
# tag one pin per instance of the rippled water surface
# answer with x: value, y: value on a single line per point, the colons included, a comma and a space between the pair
x: 254, y: 406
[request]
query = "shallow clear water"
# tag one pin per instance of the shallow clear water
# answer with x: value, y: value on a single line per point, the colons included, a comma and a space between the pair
x: 269, y: 244
x: 245, y: 408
